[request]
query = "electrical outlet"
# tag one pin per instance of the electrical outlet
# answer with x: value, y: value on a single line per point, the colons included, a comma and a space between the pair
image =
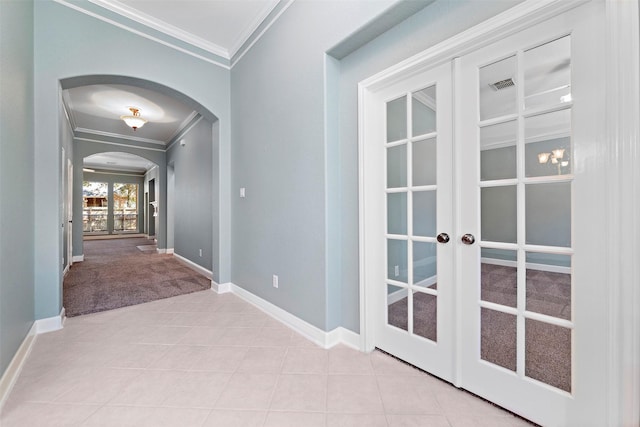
x: 274, y: 281
x: 200, y: 252
x: 396, y: 270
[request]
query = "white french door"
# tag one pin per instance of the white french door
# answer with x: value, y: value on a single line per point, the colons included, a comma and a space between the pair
x: 479, y: 263
x: 414, y: 300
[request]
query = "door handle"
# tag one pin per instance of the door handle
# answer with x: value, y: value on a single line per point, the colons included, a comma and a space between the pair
x: 468, y: 239
x: 442, y: 238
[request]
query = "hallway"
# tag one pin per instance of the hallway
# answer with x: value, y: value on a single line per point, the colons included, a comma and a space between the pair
x: 205, y: 359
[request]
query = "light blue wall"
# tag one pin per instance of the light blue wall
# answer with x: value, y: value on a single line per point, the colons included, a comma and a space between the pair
x: 68, y: 44
x: 278, y: 154
x: 196, y: 175
x: 16, y: 176
x: 435, y: 23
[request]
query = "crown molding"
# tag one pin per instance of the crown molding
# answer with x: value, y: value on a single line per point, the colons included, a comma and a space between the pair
x: 147, y: 36
x: 161, y: 26
x: 119, y: 136
x: 184, y: 130
x: 181, y: 127
x: 283, y: 5
x: 118, y: 144
x: 253, y: 27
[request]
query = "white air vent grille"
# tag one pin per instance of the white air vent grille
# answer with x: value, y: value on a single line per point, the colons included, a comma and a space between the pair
x: 502, y: 84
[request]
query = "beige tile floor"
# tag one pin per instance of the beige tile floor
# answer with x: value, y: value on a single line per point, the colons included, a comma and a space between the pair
x: 213, y: 360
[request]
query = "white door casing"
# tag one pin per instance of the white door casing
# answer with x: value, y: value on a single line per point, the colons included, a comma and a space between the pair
x: 69, y: 208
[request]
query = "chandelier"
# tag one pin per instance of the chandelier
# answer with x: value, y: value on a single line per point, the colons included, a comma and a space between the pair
x: 134, y: 121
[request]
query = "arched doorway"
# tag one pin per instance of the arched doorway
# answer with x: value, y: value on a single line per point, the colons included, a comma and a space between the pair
x: 177, y: 155
x: 114, y: 190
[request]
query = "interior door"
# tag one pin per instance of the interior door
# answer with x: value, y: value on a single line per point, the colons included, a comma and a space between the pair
x: 533, y: 305
x: 414, y: 298
x: 511, y: 304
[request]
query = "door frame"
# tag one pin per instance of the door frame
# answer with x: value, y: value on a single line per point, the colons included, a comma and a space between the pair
x: 69, y: 216
x: 621, y: 236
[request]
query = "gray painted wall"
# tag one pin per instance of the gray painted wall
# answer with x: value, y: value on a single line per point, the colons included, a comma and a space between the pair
x: 433, y: 24
x: 16, y: 176
x: 279, y: 104
x: 59, y: 54
x: 195, y: 178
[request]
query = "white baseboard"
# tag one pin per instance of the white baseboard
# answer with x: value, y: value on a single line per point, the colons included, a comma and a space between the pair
x: 323, y: 339
x: 50, y: 324
x: 206, y: 273
x: 66, y: 270
x: 15, y: 366
x: 78, y: 258
x: 343, y: 336
x: 169, y: 251
x: 220, y: 288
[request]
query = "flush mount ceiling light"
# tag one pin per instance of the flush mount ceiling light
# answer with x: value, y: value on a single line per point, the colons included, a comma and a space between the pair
x: 134, y: 121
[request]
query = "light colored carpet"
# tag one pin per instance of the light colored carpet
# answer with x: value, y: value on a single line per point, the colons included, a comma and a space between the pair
x: 115, y: 273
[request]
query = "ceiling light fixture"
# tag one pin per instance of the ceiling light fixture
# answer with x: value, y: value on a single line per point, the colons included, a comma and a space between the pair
x: 134, y: 121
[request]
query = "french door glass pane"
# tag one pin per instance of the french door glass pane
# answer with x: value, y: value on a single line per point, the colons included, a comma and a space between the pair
x: 425, y: 315
x: 423, y: 114
x: 499, y: 276
x: 497, y: 89
x: 548, y: 354
x: 547, y: 74
x: 498, y: 214
x: 498, y: 338
x: 397, y: 260
x: 397, y: 166
x: 397, y: 213
x: 397, y: 304
x: 548, y: 214
x: 548, y: 144
x: 425, y: 264
x: 397, y: 119
x: 498, y: 151
x: 549, y: 284
x: 424, y: 213
x: 424, y: 162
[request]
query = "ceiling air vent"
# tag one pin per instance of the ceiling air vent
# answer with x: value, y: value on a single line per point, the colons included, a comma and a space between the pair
x: 502, y: 84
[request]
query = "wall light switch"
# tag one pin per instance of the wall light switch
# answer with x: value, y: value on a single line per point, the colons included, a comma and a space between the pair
x: 242, y: 192
x: 274, y: 281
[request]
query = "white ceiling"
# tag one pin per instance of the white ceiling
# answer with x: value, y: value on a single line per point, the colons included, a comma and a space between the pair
x: 218, y: 26
x: 96, y: 109
x: 115, y: 161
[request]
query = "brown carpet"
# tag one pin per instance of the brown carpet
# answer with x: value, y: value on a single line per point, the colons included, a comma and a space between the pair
x: 115, y: 273
x: 547, y: 347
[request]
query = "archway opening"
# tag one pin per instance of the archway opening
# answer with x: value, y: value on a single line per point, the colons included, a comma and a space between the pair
x: 159, y: 181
